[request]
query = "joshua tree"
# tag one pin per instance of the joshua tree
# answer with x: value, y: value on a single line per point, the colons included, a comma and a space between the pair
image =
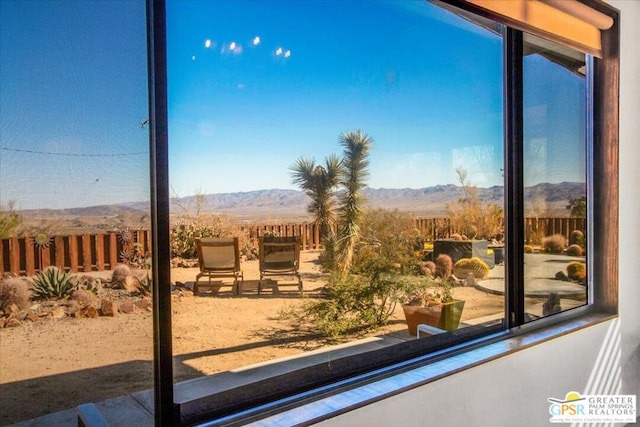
x: 319, y: 182
x: 355, y: 164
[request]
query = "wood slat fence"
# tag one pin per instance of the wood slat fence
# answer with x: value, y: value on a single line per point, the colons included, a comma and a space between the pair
x: 102, y: 251
x: 76, y: 253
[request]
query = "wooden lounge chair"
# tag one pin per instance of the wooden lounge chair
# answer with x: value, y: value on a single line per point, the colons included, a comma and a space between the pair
x: 279, y: 256
x: 218, y: 257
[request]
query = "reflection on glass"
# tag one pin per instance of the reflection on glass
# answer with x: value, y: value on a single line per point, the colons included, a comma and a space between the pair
x: 554, y: 178
x: 74, y: 195
x: 371, y: 131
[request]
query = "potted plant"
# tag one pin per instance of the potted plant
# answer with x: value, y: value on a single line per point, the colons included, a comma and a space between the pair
x: 429, y: 300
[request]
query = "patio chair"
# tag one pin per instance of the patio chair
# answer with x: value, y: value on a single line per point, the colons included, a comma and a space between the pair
x: 218, y: 257
x: 279, y: 256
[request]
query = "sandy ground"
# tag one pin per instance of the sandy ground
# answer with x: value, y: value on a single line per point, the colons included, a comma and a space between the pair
x: 53, y: 365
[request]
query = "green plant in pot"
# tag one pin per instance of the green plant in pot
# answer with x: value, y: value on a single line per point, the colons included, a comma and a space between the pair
x: 430, y: 301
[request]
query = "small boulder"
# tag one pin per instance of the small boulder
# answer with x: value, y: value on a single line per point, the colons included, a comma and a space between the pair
x: 131, y: 284
x: 33, y: 317
x: 108, y: 308
x: 58, y: 313
x: 89, y: 312
x: 126, y: 307
x: 12, y: 322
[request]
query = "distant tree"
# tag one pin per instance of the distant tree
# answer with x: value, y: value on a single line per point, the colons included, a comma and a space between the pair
x: 319, y: 183
x: 9, y: 220
x: 578, y: 207
x: 356, y: 145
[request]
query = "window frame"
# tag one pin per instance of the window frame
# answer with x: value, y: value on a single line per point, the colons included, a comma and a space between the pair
x: 602, y: 208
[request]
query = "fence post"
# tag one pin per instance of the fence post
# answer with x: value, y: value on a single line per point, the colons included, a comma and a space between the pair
x: 14, y: 253
x: 29, y: 256
x: 58, y: 251
x: 100, y: 251
x: 113, y: 249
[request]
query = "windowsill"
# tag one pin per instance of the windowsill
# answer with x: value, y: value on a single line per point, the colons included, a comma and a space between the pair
x: 328, y: 401
x: 196, y: 398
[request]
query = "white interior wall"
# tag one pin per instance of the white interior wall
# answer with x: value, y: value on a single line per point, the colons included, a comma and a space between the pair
x: 513, y: 390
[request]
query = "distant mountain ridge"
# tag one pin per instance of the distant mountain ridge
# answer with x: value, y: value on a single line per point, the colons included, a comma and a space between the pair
x: 278, y: 203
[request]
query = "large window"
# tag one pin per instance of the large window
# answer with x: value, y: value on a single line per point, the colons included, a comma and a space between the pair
x: 254, y: 105
x: 481, y: 137
x: 322, y: 172
x: 74, y: 203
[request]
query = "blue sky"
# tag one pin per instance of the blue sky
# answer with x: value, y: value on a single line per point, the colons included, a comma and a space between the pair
x: 386, y: 69
x: 253, y: 85
x: 73, y: 90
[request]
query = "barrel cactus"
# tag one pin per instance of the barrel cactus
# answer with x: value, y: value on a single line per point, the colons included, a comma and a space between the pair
x: 574, y: 250
x: 476, y: 266
x: 577, y: 271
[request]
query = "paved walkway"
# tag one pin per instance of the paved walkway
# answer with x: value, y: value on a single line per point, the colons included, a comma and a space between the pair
x: 540, y: 271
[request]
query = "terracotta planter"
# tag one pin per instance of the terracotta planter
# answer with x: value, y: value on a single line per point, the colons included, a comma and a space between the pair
x: 441, y: 315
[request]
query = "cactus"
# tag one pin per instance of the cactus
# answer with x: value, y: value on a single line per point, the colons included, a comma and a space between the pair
x: 528, y: 249
x: 474, y: 265
x: 576, y: 238
x: 444, y: 266
x: 52, y: 283
x: 576, y: 271
x: 574, y: 250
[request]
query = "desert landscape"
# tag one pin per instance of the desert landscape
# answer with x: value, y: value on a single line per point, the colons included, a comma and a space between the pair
x: 76, y: 360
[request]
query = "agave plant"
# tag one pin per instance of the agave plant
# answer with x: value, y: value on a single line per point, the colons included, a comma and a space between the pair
x: 52, y: 283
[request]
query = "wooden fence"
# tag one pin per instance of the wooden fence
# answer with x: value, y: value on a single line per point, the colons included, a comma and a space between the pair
x: 77, y: 253
x: 96, y: 252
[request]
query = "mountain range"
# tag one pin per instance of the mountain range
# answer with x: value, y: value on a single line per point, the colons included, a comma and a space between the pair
x: 278, y: 204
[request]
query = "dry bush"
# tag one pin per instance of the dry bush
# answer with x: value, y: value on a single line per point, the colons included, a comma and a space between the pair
x: 186, y: 230
x: 16, y: 291
x: 387, y: 237
x: 472, y: 217
x: 554, y: 244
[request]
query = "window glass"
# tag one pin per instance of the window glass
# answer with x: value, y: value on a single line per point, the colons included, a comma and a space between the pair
x: 373, y: 132
x: 74, y: 194
x: 555, y: 178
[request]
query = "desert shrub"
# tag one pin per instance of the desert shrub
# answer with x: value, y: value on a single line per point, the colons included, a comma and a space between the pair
x: 387, y: 238
x: 576, y: 271
x: 14, y: 290
x: 536, y: 237
x: 9, y: 220
x: 134, y: 255
x: 576, y: 237
x: 554, y: 244
x: 474, y: 265
x: 428, y: 268
x: 574, y: 250
x: 473, y: 217
x: 528, y: 249
x: 353, y: 303
x: 52, y: 283
x: 444, y: 266
x: 185, y: 230
x: 83, y: 297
